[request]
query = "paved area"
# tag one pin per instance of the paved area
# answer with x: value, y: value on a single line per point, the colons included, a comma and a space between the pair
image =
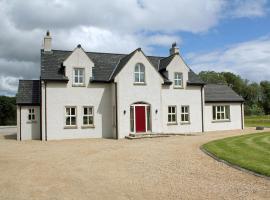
x: 161, y: 168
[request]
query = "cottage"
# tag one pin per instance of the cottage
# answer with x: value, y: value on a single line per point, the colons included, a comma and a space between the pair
x: 104, y: 95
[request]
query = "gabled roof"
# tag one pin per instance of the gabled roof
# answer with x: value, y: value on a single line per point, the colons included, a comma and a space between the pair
x: 164, y: 62
x: 107, y: 66
x: 220, y: 93
x: 28, y: 92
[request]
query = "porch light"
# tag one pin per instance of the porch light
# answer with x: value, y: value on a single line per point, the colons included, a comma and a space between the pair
x: 124, y: 112
x: 156, y: 111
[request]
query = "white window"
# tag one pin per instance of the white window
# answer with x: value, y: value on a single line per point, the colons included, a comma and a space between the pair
x: 78, y: 76
x: 171, y: 114
x: 88, y: 116
x: 221, y: 112
x: 185, y: 114
x: 139, y: 73
x: 31, y: 114
x: 70, y: 116
x: 178, y: 79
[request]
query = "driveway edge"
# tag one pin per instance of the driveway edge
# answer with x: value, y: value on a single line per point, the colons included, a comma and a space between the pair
x: 233, y: 165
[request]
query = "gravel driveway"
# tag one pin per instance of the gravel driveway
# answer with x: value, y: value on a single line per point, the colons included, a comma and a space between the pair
x: 160, y: 168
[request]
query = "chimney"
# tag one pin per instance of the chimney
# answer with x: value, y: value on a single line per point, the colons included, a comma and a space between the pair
x: 47, y: 42
x: 174, y: 49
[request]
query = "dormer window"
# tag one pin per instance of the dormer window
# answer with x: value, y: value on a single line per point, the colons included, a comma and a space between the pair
x: 139, y: 74
x: 178, y: 80
x: 78, y: 76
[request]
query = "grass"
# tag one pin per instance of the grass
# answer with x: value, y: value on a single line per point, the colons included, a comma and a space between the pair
x: 250, y: 151
x: 252, y: 121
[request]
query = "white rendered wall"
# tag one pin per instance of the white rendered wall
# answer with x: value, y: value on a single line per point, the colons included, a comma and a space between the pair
x: 29, y: 130
x: 60, y: 95
x: 233, y: 123
x: 128, y: 93
x: 186, y: 96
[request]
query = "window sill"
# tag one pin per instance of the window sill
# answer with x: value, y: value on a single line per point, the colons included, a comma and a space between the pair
x: 71, y: 127
x: 78, y: 85
x: 87, y: 126
x: 31, y: 122
x: 178, y: 87
x: 185, y: 123
x: 171, y: 123
x: 139, y: 83
x: 221, y: 121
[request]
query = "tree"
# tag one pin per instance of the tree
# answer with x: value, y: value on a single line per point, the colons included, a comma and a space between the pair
x: 7, y: 110
x: 265, y: 88
x: 212, y: 77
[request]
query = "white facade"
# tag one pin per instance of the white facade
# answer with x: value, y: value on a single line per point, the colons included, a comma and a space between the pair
x: 112, y: 103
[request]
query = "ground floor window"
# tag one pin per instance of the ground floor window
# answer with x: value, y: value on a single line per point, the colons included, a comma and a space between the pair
x: 171, y: 114
x: 185, y: 114
x: 221, y: 112
x: 88, y: 115
x: 31, y: 114
x: 70, y: 116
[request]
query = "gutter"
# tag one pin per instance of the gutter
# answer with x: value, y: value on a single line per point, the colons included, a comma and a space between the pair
x: 116, y: 112
x: 202, y: 108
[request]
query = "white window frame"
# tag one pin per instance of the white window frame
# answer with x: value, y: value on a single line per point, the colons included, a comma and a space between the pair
x: 185, y: 113
x: 178, y: 78
x: 221, y: 112
x: 31, y: 117
x: 78, y: 76
x: 140, y: 72
x: 171, y: 114
x: 88, y: 116
x: 70, y: 116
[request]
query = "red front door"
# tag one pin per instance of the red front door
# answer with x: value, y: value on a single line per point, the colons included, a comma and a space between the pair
x: 140, y: 118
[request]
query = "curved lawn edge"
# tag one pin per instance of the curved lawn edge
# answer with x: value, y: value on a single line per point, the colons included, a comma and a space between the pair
x: 232, y: 164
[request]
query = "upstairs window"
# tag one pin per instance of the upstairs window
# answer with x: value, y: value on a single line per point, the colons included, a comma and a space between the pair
x: 31, y: 114
x: 139, y: 73
x: 78, y: 76
x: 221, y: 113
x: 178, y: 79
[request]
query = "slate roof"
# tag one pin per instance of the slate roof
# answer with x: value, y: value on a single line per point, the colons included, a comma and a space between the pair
x: 28, y: 92
x: 107, y: 65
x: 220, y: 93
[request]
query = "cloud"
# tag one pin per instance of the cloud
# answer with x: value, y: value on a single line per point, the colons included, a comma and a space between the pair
x: 8, y: 85
x: 114, y: 26
x: 248, y: 8
x: 249, y: 59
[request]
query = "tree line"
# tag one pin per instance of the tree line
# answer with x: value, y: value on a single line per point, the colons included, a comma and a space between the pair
x: 256, y: 95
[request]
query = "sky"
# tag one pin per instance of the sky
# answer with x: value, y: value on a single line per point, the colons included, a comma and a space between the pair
x: 218, y: 35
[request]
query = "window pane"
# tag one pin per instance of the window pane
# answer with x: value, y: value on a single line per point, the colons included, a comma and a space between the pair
x: 222, y: 115
x: 80, y: 79
x: 148, y: 118
x: 173, y: 109
x: 137, y: 77
x: 142, y: 68
x: 33, y: 117
x: 137, y: 68
x: 142, y: 77
x: 76, y: 79
x: 85, y: 111
x: 187, y: 117
x: 73, y: 120
x: 173, y: 118
x: 169, y: 109
x: 90, y: 111
x: 67, y: 111
x: 68, y: 121
x: 29, y: 117
x: 169, y: 118
x: 218, y: 115
x: 85, y: 121
x: 131, y: 119
x: 227, y: 112
x: 72, y: 111
x: 91, y: 121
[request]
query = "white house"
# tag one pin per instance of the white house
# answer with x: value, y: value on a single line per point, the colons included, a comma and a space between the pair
x: 103, y: 95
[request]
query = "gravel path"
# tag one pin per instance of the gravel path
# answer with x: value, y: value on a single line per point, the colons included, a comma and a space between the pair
x: 160, y: 168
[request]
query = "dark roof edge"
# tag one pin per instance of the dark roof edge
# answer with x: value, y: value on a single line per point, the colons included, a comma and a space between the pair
x: 28, y: 104
x: 224, y: 101
x: 55, y: 80
x: 195, y: 84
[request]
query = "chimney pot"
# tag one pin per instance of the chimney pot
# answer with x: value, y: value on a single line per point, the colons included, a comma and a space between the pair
x: 174, y: 49
x: 47, y: 45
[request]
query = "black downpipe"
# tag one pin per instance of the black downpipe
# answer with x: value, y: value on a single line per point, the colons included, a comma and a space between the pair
x: 40, y: 111
x: 242, y: 125
x: 202, y: 109
x: 116, y: 111
x: 45, y: 111
x: 20, y: 123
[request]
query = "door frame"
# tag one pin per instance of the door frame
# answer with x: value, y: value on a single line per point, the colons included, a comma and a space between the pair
x: 145, y: 105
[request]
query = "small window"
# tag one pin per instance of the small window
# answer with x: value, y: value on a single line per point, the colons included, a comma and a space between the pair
x: 221, y: 113
x: 185, y: 114
x: 139, y: 73
x: 172, y: 114
x: 31, y: 114
x: 78, y: 75
x: 178, y: 79
x: 88, y: 116
x: 70, y: 116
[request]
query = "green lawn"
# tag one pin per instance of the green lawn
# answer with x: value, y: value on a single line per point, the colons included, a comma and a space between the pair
x: 250, y: 151
x: 254, y: 120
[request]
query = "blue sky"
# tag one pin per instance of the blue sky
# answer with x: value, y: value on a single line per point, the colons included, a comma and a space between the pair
x: 219, y: 35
